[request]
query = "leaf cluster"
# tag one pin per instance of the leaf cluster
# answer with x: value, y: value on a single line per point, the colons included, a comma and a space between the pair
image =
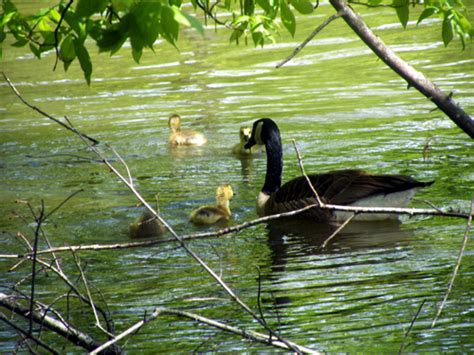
x: 453, y: 14
x: 67, y: 26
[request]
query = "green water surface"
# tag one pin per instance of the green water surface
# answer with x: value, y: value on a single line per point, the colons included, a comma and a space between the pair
x: 345, y: 109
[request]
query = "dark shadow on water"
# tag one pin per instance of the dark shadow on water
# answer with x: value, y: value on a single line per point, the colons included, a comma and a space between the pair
x: 292, y: 241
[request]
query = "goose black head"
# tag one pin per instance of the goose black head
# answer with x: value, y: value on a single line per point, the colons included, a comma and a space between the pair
x: 262, y: 131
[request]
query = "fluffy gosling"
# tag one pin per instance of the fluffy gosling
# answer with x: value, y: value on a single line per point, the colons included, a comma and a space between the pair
x: 244, y: 135
x: 212, y: 214
x: 186, y: 137
x: 145, y: 226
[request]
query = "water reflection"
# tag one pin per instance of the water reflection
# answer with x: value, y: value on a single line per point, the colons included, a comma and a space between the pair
x: 298, y: 245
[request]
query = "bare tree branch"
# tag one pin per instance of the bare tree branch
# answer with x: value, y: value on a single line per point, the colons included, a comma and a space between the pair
x: 72, y: 129
x: 310, y: 38
x: 27, y: 335
x: 68, y: 332
x: 251, y: 335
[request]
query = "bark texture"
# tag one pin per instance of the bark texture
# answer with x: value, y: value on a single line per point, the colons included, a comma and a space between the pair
x: 413, y: 77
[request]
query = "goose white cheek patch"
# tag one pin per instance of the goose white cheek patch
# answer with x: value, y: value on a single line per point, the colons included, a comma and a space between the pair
x: 258, y: 133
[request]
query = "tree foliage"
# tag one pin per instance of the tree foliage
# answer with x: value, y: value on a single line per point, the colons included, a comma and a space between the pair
x: 66, y: 26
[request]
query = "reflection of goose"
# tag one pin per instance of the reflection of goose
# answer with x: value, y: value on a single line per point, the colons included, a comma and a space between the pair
x: 213, y: 214
x: 186, y: 137
x: 244, y: 135
x: 344, y: 187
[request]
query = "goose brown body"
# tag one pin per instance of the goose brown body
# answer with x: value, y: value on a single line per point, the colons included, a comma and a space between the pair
x: 343, y: 187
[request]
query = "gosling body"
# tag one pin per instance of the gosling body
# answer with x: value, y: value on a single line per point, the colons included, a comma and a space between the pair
x: 343, y: 187
x: 145, y: 226
x: 205, y: 215
x: 183, y: 137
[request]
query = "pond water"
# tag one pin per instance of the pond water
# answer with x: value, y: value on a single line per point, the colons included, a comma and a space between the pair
x: 345, y: 109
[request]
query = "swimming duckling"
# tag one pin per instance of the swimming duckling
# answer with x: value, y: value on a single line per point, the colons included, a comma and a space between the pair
x: 213, y: 214
x: 146, y: 225
x: 342, y: 187
x: 244, y: 134
x: 186, y: 137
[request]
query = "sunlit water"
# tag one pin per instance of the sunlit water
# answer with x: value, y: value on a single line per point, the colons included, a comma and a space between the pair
x: 345, y: 109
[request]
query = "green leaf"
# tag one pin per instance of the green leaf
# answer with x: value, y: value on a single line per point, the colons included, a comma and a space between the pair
x: 374, y: 2
x: 122, y: 5
x: 67, y: 50
x: 302, y: 6
x: 447, y: 32
x: 287, y: 17
x: 76, y: 24
x: 428, y: 12
x: 137, y: 54
x: 187, y: 20
x: 265, y: 5
x: 147, y: 17
x: 249, y: 7
x: 170, y: 27
x: 84, y: 59
x: 35, y: 50
x: 402, y: 9
x: 55, y: 15
x: 86, y: 8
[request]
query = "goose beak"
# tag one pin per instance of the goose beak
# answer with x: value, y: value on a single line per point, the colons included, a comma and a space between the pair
x: 250, y: 143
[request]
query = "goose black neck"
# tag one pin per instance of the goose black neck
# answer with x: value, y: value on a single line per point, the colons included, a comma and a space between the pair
x: 274, y: 163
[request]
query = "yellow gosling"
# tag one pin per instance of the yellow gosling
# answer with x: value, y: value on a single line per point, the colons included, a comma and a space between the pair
x: 244, y: 135
x: 185, y: 137
x: 212, y: 214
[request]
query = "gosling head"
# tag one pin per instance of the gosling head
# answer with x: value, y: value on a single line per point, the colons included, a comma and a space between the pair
x: 245, y: 134
x: 174, y: 122
x: 262, y: 131
x: 224, y: 192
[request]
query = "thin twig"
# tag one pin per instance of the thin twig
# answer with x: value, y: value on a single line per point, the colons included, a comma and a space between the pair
x: 251, y: 335
x: 411, y: 326
x: 336, y: 232
x: 56, y: 30
x: 456, y: 267
x: 300, y: 162
x: 26, y: 334
x: 353, y: 209
x: 37, y: 109
x: 310, y: 37
x: 39, y: 220
x: 62, y: 203
x: 89, y: 295
x: 181, y: 242
x: 67, y: 331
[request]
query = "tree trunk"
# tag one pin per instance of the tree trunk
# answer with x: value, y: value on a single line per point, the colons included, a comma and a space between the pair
x: 413, y: 77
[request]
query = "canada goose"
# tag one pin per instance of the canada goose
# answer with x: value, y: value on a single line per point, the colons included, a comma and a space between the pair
x: 213, y: 214
x: 146, y: 225
x: 343, y: 187
x: 186, y: 137
x: 244, y: 135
